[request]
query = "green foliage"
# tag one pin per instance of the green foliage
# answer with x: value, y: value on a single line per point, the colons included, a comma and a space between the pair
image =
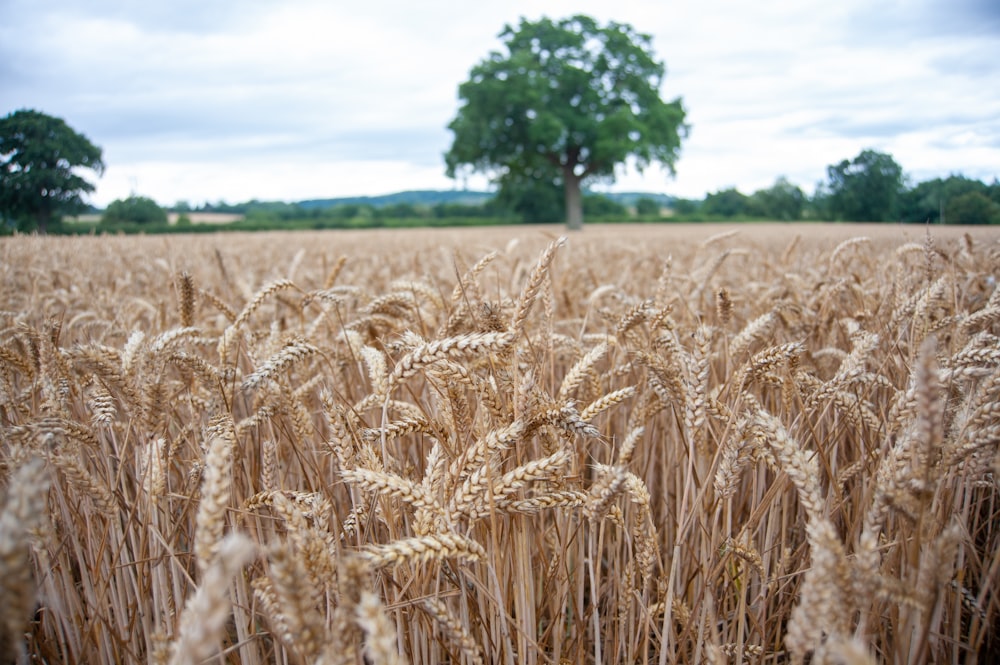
x: 647, y: 207
x: 865, y: 189
x: 725, y: 203
x: 568, y: 100
x: 686, y: 207
x: 421, y: 198
x: 927, y: 200
x: 134, y: 209
x: 783, y: 201
x: 598, y: 205
x: 532, y: 198
x: 400, y: 210
x: 451, y: 210
x: 38, y: 183
x: 972, y: 208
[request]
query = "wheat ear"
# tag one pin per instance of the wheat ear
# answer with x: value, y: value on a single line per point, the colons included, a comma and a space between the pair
x: 800, y: 466
x: 380, y: 637
x: 205, y: 615
x: 534, y: 285
x: 824, y: 610
x: 210, y: 521
x: 578, y: 373
x: 454, y: 630
x: 23, y: 513
x: 298, y: 600
x: 185, y: 299
x: 424, y: 548
x: 292, y: 353
x: 228, y: 336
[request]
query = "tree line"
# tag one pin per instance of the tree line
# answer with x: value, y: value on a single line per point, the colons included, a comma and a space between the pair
x: 865, y: 195
x: 869, y: 188
x: 562, y: 106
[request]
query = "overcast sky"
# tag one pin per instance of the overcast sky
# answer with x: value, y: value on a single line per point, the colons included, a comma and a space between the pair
x: 202, y: 100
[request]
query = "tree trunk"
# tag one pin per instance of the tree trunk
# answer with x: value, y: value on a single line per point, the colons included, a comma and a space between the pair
x: 574, y: 201
x: 42, y: 222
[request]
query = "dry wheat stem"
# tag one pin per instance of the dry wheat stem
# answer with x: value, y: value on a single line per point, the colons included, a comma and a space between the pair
x: 205, y: 615
x: 657, y: 449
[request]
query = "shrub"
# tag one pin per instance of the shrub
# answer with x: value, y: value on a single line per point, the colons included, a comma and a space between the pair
x: 134, y: 209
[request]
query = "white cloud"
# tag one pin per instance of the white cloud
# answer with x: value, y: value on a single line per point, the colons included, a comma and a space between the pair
x: 208, y: 100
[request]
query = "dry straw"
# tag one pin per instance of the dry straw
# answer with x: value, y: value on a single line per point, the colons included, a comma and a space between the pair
x: 24, y: 513
x: 677, y: 447
x: 206, y: 613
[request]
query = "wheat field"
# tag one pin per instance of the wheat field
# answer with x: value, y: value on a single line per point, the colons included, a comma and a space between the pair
x: 638, y: 444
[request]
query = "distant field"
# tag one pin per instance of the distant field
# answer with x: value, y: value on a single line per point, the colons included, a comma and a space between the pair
x: 195, y: 217
x: 206, y: 217
x: 645, y: 443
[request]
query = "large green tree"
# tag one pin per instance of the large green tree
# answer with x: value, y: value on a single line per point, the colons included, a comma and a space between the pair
x: 566, y: 100
x: 865, y: 189
x: 39, y: 161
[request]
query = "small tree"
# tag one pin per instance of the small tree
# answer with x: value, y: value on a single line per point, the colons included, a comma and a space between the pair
x: 783, y: 201
x: 865, y: 189
x: 726, y: 203
x: 647, y: 207
x: 134, y: 209
x: 39, y: 159
x: 568, y: 100
x: 600, y: 205
x: 685, y: 206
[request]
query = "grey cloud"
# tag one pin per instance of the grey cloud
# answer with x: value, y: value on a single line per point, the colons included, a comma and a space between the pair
x: 418, y: 146
x: 195, y: 16
x: 202, y: 80
x: 911, y: 22
x: 857, y: 126
x: 204, y: 133
x: 984, y: 133
x: 875, y: 126
x: 970, y: 62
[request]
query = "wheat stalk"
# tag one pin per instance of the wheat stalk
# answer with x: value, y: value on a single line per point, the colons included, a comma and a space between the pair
x: 210, y: 520
x: 203, y: 621
x: 23, y: 513
x: 380, y: 638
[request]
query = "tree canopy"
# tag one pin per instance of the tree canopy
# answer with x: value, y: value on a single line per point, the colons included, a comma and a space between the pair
x: 134, y: 209
x: 866, y: 188
x: 958, y: 199
x: 39, y: 158
x: 782, y: 201
x: 568, y: 100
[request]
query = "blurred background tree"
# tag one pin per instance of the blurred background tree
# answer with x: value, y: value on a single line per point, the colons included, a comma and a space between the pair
x: 39, y: 159
x: 647, y: 207
x: 782, y: 201
x: 568, y: 101
x: 867, y: 188
x: 134, y: 209
x: 959, y: 199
